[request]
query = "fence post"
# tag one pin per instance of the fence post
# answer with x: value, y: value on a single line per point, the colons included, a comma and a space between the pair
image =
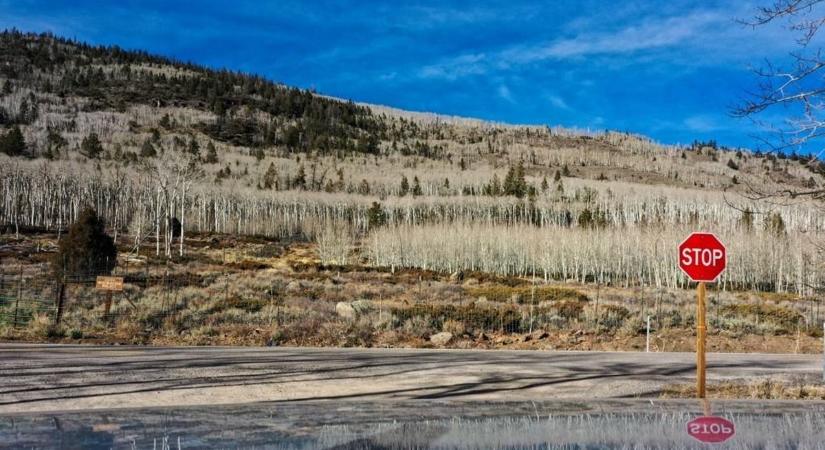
x: 165, y: 302
x: 61, y: 297
x: 823, y: 351
x: 532, y: 300
x: 19, y: 293
x: 647, y: 340
x: 598, y: 286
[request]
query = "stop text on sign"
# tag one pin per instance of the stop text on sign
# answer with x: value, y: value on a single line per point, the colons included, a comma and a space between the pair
x: 702, y: 256
x: 711, y: 429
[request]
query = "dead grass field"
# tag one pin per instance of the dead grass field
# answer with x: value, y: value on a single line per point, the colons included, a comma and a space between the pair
x: 769, y: 389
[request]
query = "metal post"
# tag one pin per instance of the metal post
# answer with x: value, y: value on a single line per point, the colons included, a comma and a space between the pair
x: 647, y: 340
x: 701, y: 331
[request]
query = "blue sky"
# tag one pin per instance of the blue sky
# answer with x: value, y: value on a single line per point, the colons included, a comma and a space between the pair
x: 668, y: 71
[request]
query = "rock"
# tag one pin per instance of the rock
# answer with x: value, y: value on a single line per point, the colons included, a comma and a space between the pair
x: 482, y: 337
x: 457, y: 276
x: 361, y: 306
x: 293, y: 286
x: 354, y: 309
x: 481, y: 300
x: 345, y: 310
x: 441, y: 339
x: 538, y: 335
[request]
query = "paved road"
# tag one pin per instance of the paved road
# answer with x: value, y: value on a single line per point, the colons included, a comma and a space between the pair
x: 72, y: 377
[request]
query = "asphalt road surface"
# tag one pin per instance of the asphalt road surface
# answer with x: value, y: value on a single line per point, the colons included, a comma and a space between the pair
x: 76, y: 377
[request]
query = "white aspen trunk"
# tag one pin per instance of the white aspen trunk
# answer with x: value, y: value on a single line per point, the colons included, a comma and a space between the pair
x: 182, y: 215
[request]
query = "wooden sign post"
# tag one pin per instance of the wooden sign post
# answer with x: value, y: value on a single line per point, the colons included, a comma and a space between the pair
x: 701, y: 337
x: 109, y: 285
x: 703, y: 258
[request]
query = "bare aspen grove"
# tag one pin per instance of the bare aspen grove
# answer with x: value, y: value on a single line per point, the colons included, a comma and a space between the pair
x: 758, y: 260
x: 634, y: 227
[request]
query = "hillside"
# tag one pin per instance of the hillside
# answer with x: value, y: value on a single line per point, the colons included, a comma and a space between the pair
x: 142, y: 138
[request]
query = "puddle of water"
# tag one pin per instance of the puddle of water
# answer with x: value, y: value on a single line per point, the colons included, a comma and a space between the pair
x: 411, y: 425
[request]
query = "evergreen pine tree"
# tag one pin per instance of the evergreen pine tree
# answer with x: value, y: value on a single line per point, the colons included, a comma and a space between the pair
x: 775, y: 224
x: 91, y: 146
x: 376, y: 216
x: 86, y: 250
x: 194, y: 148
x: 13, y: 143
x: 416, y: 190
x: 300, y: 180
x: 405, y: 186
x: 147, y: 150
x: 270, y: 176
x: 495, y: 186
x: 165, y: 122
x: 364, y: 187
x: 211, y: 154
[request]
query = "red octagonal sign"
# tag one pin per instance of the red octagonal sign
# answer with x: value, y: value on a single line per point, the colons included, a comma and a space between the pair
x: 710, y: 429
x: 702, y: 257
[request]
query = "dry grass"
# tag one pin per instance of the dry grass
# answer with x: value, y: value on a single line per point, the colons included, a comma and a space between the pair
x: 762, y: 390
x: 526, y: 294
x: 200, y: 301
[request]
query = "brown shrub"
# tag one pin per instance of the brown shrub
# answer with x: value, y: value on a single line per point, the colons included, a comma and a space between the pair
x: 248, y: 264
x: 456, y: 327
x: 524, y: 294
x: 569, y: 309
x: 785, y: 319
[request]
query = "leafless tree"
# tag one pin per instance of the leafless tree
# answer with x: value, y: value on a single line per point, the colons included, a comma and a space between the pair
x: 797, y: 88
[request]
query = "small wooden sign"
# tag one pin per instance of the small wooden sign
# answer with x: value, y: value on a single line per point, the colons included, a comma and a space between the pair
x: 111, y: 284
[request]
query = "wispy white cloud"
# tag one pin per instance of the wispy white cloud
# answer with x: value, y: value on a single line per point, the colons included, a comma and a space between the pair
x: 557, y: 102
x: 648, y: 35
x: 702, y: 123
x: 700, y: 30
x: 504, y: 92
x: 469, y: 64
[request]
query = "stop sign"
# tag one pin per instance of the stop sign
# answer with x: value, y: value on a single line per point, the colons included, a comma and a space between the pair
x: 702, y: 257
x: 710, y: 429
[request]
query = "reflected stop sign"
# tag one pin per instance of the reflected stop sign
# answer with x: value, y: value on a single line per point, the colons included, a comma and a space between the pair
x: 710, y: 429
x: 702, y: 257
